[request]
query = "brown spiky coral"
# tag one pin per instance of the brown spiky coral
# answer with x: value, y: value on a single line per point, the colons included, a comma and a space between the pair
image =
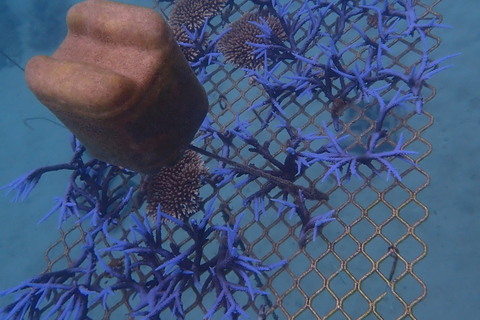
x: 233, y: 45
x: 193, y: 13
x: 176, y: 189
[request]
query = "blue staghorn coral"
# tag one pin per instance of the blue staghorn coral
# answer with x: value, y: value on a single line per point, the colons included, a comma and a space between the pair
x: 317, y: 61
x: 72, y: 291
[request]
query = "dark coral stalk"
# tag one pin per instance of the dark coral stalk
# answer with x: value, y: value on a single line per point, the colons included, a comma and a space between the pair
x: 227, y: 260
x: 282, y: 177
x: 88, y: 189
x: 309, y: 223
x: 175, y: 270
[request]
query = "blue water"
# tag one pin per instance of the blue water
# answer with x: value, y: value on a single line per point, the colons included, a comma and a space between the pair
x: 450, y: 269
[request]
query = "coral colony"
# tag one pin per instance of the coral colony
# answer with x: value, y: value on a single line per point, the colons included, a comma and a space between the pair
x: 176, y: 189
x: 269, y: 39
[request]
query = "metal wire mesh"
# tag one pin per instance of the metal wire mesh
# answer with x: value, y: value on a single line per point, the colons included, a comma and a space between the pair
x: 363, y: 265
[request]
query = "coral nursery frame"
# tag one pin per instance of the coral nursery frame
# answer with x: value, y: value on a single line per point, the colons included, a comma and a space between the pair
x: 312, y: 191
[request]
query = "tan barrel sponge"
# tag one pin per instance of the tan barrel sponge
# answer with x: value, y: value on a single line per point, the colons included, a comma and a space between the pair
x: 121, y: 84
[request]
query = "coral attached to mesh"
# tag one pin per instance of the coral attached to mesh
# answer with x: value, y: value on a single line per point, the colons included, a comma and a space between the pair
x: 294, y: 53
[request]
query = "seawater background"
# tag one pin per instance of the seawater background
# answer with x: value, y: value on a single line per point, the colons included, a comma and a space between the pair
x: 450, y: 269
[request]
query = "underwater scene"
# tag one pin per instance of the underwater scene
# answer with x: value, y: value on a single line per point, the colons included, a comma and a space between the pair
x: 239, y: 159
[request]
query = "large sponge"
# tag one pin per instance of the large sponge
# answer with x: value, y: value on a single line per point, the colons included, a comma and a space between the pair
x: 121, y: 84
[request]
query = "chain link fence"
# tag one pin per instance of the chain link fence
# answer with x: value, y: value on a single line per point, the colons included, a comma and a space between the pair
x: 361, y: 265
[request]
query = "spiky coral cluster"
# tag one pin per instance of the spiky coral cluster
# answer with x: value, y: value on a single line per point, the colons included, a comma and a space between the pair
x: 176, y: 189
x: 237, y: 45
x: 193, y: 13
x: 187, y: 16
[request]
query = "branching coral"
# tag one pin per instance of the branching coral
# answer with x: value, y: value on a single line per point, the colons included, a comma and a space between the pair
x: 189, y: 21
x: 309, y: 223
x: 198, y: 50
x: 89, y: 190
x: 70, y: 292
x: 282, y: 177
x: 317, y: 72
x: 339, y: 158
x: 66, y: 293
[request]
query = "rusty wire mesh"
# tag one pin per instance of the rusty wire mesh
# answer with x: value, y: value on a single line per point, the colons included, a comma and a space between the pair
x: 363, y: 265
